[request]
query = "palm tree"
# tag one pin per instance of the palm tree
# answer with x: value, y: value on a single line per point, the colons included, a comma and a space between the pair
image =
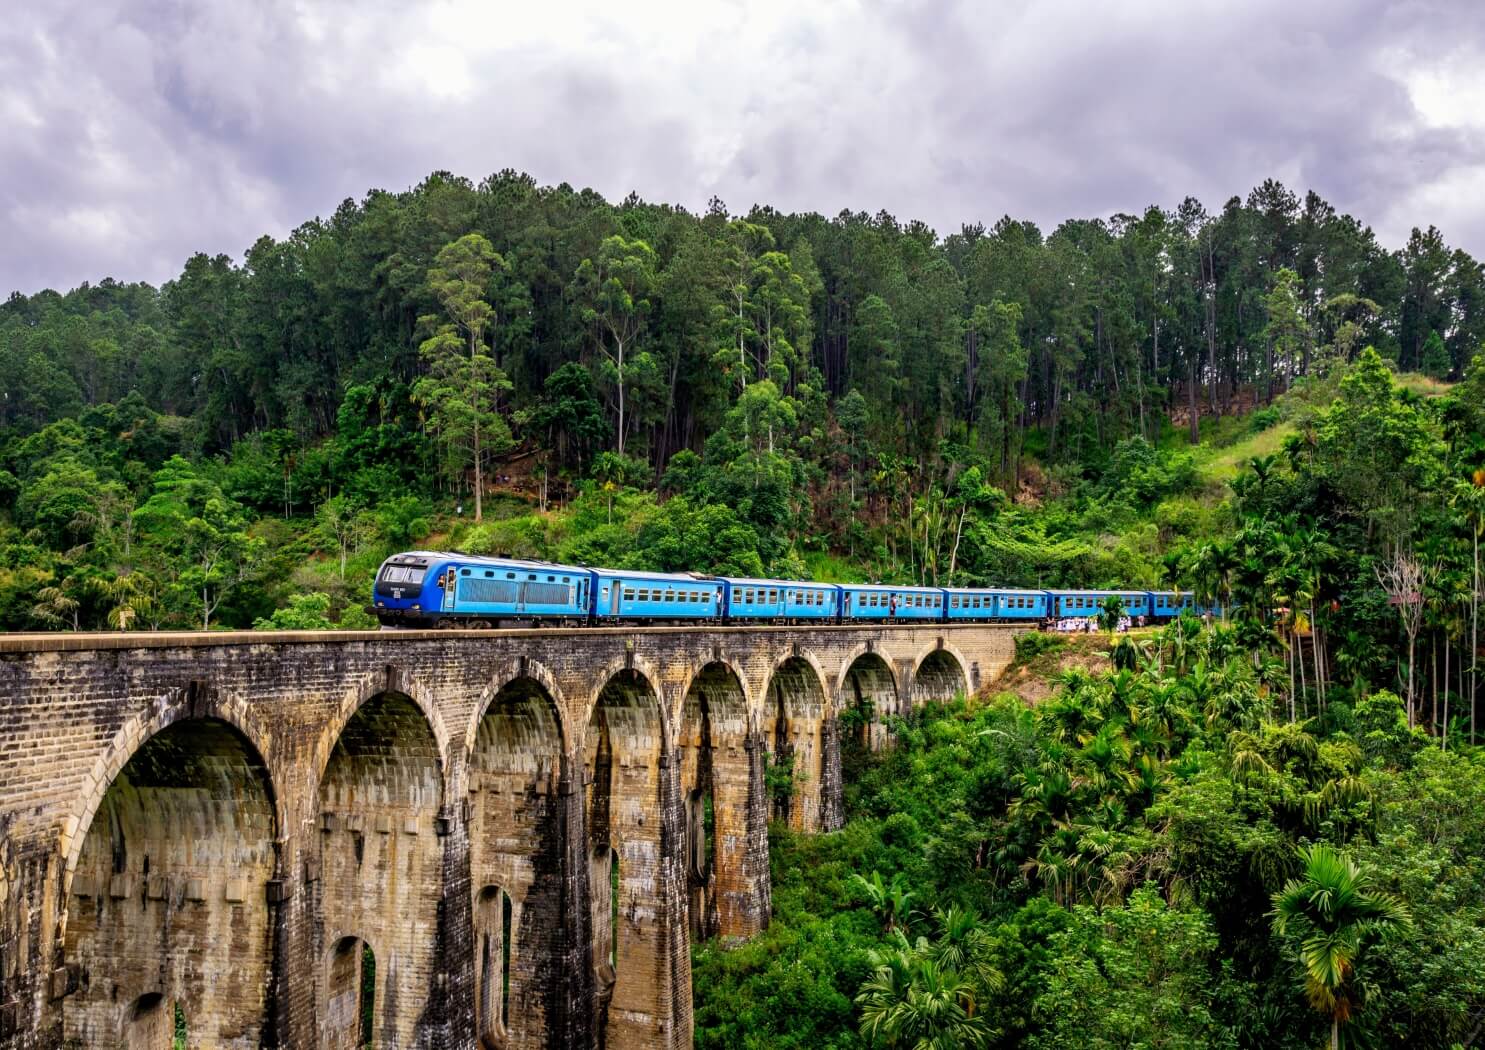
x: 1332, y: 915
x: 1110, y: 613
x: 963, y: 946
x: 912, y: 1003
x: 57, y: 607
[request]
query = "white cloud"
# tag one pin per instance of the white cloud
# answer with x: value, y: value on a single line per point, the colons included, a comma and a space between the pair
x: 137, y: 133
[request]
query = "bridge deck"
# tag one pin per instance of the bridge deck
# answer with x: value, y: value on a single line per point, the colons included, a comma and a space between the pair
x: 70, y: 641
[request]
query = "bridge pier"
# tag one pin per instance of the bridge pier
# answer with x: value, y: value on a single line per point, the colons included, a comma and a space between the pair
x: 450, y: 837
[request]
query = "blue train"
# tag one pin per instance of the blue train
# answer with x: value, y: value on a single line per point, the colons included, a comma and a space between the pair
x: 442, y: 589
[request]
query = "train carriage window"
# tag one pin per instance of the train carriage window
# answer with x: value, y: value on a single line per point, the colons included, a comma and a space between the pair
x: 489, y: 575
x: 553, y: 579
x: 669, y: 594
x: 510, y: 576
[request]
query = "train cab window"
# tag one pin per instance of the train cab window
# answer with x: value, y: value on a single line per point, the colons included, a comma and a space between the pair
x: 463, y: 572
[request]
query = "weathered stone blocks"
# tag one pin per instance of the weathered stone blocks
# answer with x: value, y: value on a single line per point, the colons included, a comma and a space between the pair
x: 441, y: 839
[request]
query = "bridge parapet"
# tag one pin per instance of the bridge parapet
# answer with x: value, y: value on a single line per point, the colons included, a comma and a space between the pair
x: 435, y: 805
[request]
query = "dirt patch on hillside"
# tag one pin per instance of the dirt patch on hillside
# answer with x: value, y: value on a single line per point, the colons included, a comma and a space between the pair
x: 1032, y: 677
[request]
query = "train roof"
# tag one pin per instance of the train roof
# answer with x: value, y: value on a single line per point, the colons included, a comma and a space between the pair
x: 994, y: 590
x: 490, y: 560
x: 640, y: 574
x: 755, y: 582
x: 1109, y: 590
x: 888, y: 587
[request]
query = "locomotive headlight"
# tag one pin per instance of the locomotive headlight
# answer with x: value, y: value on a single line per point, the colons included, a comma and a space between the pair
x: 381, y: 605
x: 416, y: 607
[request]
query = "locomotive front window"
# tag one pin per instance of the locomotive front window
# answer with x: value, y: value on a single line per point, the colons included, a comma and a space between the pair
x: 403, y: 574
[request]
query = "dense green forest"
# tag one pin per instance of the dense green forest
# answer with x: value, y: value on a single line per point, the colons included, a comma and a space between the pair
x: 1154, y: 857
x: 636, y: 384
x: 1258, y: 833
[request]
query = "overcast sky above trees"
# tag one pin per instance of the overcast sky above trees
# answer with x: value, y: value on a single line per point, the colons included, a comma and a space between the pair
x: 135, y: 132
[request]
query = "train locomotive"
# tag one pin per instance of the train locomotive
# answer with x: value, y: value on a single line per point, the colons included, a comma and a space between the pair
x: 449, y: 589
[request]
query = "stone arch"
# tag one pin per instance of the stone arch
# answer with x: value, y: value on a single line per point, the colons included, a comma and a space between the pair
x: 725, y: 811
x: 709, y: 669
x: 377, y: 866
x: 798, y: 730
x: 350, y: 1010
x: 169, y: 896
x: 195, y: 699
x: 521, y: 668
x: 869, y: 684
x: 939, y: 673
x: 522, y: 812
x: 631, y: 665
x: 390, y: 680
x: 495, y: 924
x: 629, y: 788
x: 854, y: 657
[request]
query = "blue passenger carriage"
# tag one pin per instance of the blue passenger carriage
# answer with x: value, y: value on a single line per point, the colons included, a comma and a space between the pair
x: 622, y: 594
x: 996, y: 603
x: 1167, y: 605
x: 433, y: 588
x: 886, y: 602
x: 1090, y: 603
x: 779, y: 600
x: 970, y: 603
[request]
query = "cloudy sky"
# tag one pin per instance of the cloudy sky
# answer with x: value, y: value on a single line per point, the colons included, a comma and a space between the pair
x: 135, y: 132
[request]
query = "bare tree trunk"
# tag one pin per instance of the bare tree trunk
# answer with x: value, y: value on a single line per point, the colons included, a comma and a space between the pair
x: 1194, y: 422
x: 1444, y: 735
x: 1475, y: 635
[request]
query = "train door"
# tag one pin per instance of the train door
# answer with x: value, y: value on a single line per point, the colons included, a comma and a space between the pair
x: 614, y: 601
x: 451, y: 581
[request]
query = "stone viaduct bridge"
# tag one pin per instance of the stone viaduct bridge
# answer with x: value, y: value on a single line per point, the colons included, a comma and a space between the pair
x: 442, y: 839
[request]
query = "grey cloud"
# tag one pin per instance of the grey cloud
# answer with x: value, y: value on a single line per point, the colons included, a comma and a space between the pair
x: 136, y: 133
